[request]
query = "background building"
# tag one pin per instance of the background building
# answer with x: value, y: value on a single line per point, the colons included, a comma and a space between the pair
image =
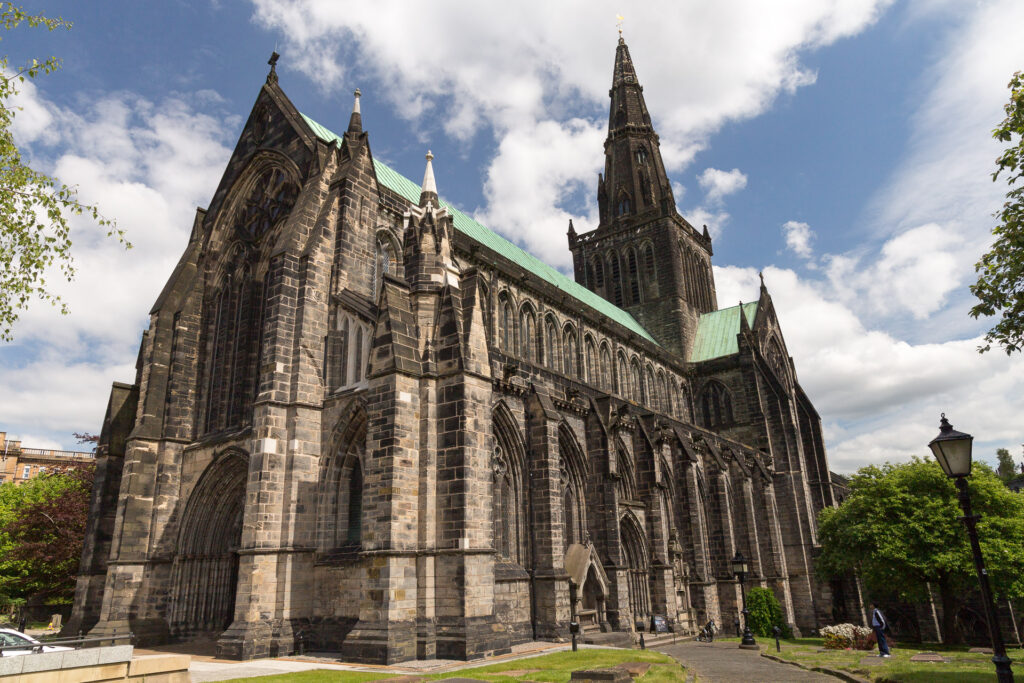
x: 18, y: 463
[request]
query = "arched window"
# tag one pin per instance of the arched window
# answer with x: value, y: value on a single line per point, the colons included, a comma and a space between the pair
x: 634, y: 277
x: 569, y: 510
x: 716, y: 405
x: 569, y: 351
x: 651, y: 395
x: 637, y: 380
x: 597, y: 268
x: 664, y: 405
x: 627, y: 477
x: 573, y: 475
x: 551, y: 343
x: 623, y: 369
x: 635, y: 555
x: 650, y: 278
x: 508, y: 497
x: 527, y: 333
x: 383, y: 263
x: 606, y: 369
x: 613, y: 260
x: 590, y: 370
x: 507, y: 322
x: 641, y: 155
x: 233, y: 330
x: 672, y: 402
x: 340, y: 516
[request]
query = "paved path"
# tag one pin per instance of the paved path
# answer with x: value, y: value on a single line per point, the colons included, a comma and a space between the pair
x: 727, y: 663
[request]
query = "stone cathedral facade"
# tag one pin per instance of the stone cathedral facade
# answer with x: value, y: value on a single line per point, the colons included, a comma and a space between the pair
x: 363, y: 420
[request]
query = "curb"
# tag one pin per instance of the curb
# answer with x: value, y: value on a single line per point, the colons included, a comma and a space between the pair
x: 842, y: 675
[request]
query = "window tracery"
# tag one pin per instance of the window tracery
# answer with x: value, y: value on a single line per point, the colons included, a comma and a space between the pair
x: 269, y: 201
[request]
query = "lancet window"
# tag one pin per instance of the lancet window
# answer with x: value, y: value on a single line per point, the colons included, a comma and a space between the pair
x: 716, y: 405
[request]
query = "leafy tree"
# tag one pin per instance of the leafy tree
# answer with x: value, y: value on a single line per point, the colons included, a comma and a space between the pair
x: 35, y: 209
x: 766, y: 613
x: 1007, y: 468
x: 42, y: 527
x: 900, y: 530
x: 1000, y: 285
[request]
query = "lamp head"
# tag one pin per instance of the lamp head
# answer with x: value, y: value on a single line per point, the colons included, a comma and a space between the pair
x: 952, y: 449
x: 739, y: 564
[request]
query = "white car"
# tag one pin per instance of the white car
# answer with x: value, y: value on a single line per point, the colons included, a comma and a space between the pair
x: 25, y: 644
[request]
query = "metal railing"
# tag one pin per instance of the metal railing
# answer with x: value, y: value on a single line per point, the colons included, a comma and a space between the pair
x: 76, y: 643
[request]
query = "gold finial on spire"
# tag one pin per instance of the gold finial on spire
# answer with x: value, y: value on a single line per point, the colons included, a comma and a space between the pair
x: 618, y: 22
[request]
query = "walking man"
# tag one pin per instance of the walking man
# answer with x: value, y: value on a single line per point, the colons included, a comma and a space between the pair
x: 879, y: 624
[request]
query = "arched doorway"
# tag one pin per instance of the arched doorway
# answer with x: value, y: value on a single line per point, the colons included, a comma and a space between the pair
x: 204, y: 576
x: 637, y: 575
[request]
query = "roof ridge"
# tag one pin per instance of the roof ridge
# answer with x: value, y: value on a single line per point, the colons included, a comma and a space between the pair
x: 469, y: 226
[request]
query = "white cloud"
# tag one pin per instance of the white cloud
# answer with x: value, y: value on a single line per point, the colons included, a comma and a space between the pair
x: 147, y: 165
x: 717, y: 184
x: 881, y: 396
x: 798, y: 238
x: 529, y: 177
x: 509, y: 69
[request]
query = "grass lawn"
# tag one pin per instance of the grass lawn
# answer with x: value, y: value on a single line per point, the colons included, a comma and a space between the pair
x: 963, y: 667
x: 552, y: 668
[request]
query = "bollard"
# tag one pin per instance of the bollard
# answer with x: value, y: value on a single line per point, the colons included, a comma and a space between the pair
x: 777, y: 631
x: 574, y: 629
x: 78, y: 645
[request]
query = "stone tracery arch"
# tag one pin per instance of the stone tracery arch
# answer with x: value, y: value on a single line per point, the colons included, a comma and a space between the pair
x: 635, y: 556
x: 340, y: 502
x: 204, y: 573
x: 508, y: 464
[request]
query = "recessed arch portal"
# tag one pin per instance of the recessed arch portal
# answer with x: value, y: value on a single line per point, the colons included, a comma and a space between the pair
x: 204, y: 575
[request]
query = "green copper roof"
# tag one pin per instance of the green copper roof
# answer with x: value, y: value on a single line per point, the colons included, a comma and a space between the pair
x: 716, y: 332
x: 469, y: 227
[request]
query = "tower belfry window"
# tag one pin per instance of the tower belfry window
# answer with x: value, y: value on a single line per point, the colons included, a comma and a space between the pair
x: 641, y: 155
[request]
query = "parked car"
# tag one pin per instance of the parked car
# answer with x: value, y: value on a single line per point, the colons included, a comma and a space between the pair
x: 21, y: 644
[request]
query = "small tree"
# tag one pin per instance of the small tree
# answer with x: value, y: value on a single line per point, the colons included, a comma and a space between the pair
x: 900, y: 530
x: 766, y: 613
x: 42, y: 527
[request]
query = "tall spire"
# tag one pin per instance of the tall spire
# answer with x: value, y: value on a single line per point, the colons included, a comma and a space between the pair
x: 634, y: 182
x: 429, y: 191
x: 355, y: 122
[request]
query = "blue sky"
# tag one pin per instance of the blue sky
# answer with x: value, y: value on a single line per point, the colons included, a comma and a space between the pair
x: 841, y: 147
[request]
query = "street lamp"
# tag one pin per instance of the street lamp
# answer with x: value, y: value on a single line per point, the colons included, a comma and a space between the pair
x: 739, y: 568
x: 953, y: 451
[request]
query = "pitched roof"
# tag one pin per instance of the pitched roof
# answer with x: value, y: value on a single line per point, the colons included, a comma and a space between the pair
x: 717, y: 330
x: 406, y: 188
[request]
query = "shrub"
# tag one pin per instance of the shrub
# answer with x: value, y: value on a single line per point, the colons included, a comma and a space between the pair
x: 765, y: 613
x: 848, y: 636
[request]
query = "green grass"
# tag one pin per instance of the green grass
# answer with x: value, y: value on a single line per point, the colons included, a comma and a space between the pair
x: 553, y: 668
x: 963, y: 667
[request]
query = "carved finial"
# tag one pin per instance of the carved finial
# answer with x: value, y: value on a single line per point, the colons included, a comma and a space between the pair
x: 761, y: 275
x: 429, y: 189
x: 572, y: 230
x: 618, y: 23
x: 272, y: 76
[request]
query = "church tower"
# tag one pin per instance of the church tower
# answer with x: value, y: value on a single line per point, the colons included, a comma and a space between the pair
x: 643, y: 256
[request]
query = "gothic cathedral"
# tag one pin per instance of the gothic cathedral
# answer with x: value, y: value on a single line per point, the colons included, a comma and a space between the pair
x: 363, y: 422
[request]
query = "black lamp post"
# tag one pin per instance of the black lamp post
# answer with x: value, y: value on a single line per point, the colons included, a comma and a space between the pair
x: 953, y: 451
x: 739, y: 568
